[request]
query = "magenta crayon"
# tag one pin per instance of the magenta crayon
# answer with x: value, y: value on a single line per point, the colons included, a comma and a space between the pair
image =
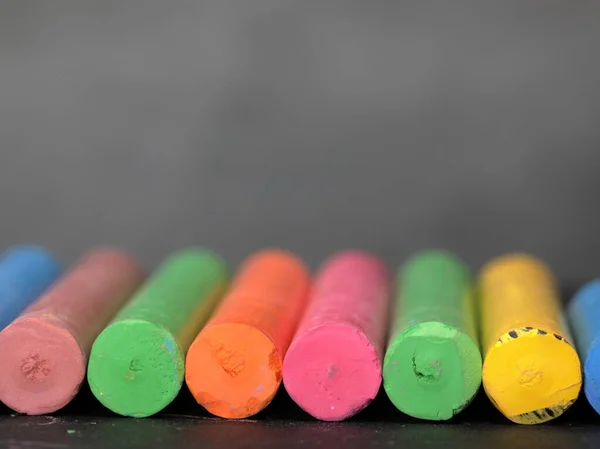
x: 333, y: 367
x: 44, y: 351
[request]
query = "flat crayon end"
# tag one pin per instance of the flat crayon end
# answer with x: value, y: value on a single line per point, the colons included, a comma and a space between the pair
x: 136, y: 368
x: 432, y: 371
x: 332, y: 371
x: 532, y: 375
x: 591, y: 372
x: 233, y: 370
x: 43, y: 366
x: 584, y: 310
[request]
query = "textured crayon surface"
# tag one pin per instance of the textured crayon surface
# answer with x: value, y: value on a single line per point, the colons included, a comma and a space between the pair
x: 531, y: 372
x: 584, y: 316
x: 432, y: 368
x: 234, y: 366
x: 45, y: 350
x: 25, y: 273
x: 137, y: 363
x: 333, y: 366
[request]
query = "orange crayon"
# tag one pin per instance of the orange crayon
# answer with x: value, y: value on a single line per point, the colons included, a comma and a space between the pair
x: 234, y: 366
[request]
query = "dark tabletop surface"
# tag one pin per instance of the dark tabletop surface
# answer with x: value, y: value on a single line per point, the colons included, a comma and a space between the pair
x: 85, y: 424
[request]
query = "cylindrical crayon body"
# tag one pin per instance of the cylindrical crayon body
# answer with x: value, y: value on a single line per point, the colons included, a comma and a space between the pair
x: 432, y: 368
x: 333, y: 366
x: 44, y: 351
x: 530, y: 372
x: 234, y: 366
x: 584, y: 315
x: 137, y: 363
x: 25, y: 273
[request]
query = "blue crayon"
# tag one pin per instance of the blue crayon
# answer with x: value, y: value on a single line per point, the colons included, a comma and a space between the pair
x: 584, y: 314
x: 25, y: 273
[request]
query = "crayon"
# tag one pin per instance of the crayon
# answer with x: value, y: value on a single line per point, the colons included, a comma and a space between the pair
x: 332, y: 369
x: 137, y: 363
x: 234, y: 366
x: 25, y: 273
x: 432, y: 368
x: 44, y: 351
x: 584, y: 316
x: 531, y: 372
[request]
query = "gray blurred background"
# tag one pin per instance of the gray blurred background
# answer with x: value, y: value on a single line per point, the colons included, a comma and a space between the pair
x: 312, y: 125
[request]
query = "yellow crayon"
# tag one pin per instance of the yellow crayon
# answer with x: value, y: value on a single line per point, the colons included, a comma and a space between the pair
x: 531, y: 372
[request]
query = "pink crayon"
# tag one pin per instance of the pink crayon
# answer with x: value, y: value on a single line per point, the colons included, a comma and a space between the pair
x: 333, y: 367
x: 44, y: 352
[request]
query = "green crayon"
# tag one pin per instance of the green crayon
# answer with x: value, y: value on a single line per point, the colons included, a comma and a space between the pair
x: 136, y: 366
x: 432, y: 367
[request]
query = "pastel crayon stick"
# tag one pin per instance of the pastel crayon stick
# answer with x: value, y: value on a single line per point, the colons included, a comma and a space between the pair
x: 584, y: 316
x: 333, y: 366
x: 25, y: 273
x: 531, y: 372
x: 44, y: 352
x: 432, y: 368
x: 137, y: 363
x: 234, y: 366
